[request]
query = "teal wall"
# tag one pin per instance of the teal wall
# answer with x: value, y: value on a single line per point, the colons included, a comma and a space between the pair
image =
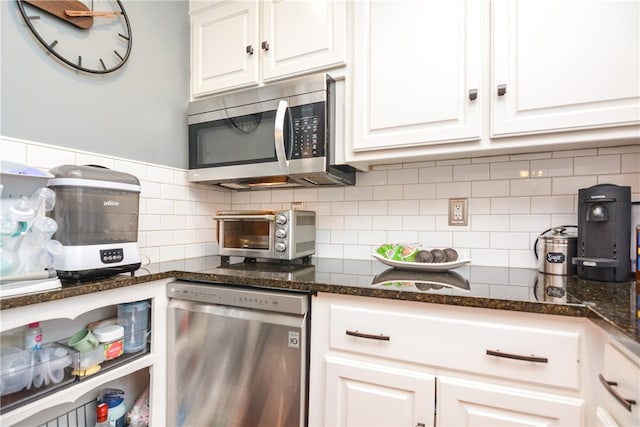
x: 137, y: 112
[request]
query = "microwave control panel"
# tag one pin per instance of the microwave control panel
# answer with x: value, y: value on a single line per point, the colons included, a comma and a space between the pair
x: 308, y: 131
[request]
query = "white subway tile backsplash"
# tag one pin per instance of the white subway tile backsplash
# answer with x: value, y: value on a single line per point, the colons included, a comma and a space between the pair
x: 471, y: 172
x: 435, y: 174
x: 511, y: 200
x: 597, y: 165
x: 453, y: 189
x: 387, y: 192
x: 551, y: 167
x: 404, y: 207
x: 490, y: 188
x: 510, y: 205
x: 553, y: 204
x: 571, y: 185
x: 402, y: 176
x: 508, y: 170
x: 531, y: 187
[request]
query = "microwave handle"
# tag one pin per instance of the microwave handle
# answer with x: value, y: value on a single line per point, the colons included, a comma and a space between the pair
x: 278, y: 136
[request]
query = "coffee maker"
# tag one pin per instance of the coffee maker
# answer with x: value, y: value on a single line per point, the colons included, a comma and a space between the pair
x: 604, y: 227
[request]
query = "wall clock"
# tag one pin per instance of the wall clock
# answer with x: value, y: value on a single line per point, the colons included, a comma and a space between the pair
x: 92, y: 36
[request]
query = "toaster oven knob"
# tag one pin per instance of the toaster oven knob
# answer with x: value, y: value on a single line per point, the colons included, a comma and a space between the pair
x: 281, y: 247
x: 281, y: 233
x: 281, y: 219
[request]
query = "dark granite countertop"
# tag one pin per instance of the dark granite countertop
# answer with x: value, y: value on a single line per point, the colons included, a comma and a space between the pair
x: 610, y: 305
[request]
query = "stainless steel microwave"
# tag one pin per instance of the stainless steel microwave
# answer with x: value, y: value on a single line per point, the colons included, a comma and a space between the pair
x: 280, y: 135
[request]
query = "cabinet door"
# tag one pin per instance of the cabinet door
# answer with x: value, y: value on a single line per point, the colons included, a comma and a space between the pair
x: 467, y: 403
x: 362, y: 394
x: 566, y: 65
x: 415, y: 63
x: 302, y: 35
x: 222, y: 41
x: 623, y: 377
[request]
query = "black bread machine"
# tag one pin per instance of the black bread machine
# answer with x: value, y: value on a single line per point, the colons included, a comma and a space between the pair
x: 97, y: 214
x: 604, y: 227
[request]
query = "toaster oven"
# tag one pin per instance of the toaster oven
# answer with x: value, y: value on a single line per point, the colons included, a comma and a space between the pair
x: 283, y: 235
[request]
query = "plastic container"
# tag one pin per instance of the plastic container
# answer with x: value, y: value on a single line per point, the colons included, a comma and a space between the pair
x: 114, y: 398
x: 33, y: 337
x: 102, y: 415
x: 14, y: 369
x: 111, y: 340
x: 134, y: 317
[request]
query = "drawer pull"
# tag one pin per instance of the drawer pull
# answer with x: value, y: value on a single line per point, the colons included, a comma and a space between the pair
x: 609, y: 385
x: 368, y: 336
x: 534, y: 359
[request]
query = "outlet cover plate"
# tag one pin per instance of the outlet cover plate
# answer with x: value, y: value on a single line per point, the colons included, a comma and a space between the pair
x: 458, y: 214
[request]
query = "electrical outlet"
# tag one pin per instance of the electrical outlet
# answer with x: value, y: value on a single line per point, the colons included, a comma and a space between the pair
x: 297, y: 206
x: 458, y: 214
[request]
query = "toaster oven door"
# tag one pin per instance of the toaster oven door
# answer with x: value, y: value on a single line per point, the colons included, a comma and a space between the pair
x: 246, y: 234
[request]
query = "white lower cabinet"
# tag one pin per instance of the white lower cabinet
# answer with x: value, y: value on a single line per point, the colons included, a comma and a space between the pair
x: 133, y: 373
x: 619, y: 400
x: 365, y: 394
x: 470, y: 403
x: 399, y: 363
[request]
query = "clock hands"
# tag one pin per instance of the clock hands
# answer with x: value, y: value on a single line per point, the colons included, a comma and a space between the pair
x: 75, y: 13
x: 57, y: 8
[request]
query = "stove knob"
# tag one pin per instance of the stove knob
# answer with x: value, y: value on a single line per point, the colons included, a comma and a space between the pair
x: 281, y: 233
x: 281, y: 219
x: 281, y: 247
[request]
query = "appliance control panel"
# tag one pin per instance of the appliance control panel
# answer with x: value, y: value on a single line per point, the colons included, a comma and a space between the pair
x: 109, y: 256
x: 308, y: 131
x: 283, y: 302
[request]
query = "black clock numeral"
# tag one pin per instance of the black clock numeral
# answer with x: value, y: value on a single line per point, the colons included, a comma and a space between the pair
x: 53, y: 44
x: 34, y: 17
x: 104, y: 67
x: 79, y: 61
x: 123, y: 36
x: 118, y: 55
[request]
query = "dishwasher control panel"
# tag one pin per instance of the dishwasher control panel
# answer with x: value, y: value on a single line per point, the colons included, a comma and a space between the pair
x: 291, y: 302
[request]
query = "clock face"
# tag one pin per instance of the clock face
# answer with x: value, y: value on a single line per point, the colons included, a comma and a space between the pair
x: 93, y: 36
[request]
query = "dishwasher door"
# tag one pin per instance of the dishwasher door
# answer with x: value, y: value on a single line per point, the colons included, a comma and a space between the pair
x: 235, y: 366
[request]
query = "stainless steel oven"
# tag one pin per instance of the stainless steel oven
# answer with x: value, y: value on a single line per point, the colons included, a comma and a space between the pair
x: 277, y: 235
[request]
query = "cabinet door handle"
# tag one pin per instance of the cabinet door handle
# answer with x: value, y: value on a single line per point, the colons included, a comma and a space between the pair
x: 265, y: 45
x: 249, y: 50
x: 609, y: 385
x: 379, y: 337
x: 502, y: 89
x: 473, y: 94
x: 535, y: 359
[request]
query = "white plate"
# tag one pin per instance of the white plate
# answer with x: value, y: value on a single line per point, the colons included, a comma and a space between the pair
x: 421, y: 266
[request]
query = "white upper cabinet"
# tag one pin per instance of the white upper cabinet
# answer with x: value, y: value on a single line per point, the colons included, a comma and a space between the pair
x: 416, y: 72
x: 245, y: 42
x: 224, y: 47
x: 302, y: 36
x: 566, y: 65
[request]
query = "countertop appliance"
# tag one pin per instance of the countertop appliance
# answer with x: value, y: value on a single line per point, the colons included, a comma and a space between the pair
x: 280, y: 135
x: 604, y: 227
x: 239, y: 356
x: 97, y: 214
x: 270, y: 234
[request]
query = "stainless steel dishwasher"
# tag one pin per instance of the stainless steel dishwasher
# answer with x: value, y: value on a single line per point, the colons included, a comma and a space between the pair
x: 237, y: 356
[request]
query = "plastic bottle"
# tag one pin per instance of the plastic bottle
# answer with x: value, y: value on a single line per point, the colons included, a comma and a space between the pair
x: 102, y: 415
x: 33, y: 337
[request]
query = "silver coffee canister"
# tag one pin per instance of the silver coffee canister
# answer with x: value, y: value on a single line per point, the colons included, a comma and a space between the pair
x: 557, y: 249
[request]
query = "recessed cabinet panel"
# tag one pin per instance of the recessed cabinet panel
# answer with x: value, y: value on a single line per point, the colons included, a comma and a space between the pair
x: 415, y: 65
x: 467, y: 403
x: 302, y: 35
x: 565, y: 67
x: 624, y: 378
x: 361, y: 394
x: 222, y: 40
